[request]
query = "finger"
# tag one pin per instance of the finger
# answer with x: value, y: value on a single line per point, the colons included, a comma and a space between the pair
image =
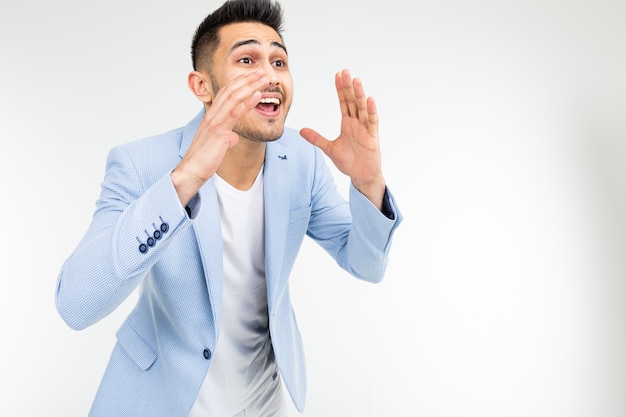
x: 238, y: 97
x: 372, y: 117
x: 316, y: 139
x: 343, y: 103
x: 348, y: 92
x: 249, y: 81
x: 243, y: 104
x: 241, y: 88
x: 361, y: 101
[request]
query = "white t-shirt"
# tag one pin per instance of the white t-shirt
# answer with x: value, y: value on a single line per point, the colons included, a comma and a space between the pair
x: 243, y: 357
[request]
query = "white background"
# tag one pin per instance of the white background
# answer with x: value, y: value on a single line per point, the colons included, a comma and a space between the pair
x: 504, y: 142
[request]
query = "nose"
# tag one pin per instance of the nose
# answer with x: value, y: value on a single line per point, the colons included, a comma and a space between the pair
x: 271, y: 74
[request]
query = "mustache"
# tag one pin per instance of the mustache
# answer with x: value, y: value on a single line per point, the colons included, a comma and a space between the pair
x: 274, y: 90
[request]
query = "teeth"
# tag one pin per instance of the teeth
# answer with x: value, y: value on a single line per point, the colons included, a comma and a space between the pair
x: 270, y: 100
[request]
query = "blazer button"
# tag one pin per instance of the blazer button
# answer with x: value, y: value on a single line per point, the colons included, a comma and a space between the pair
x: 143, y: 248
x: 207, y: 354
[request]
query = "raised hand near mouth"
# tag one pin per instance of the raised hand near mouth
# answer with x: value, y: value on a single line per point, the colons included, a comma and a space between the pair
x: 215, y: 135
x: 356, y: 151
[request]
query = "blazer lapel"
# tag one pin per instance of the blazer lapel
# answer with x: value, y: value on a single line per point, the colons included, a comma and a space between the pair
x: 207, y: 228
x: 276, y: 201
x: 189, y: 132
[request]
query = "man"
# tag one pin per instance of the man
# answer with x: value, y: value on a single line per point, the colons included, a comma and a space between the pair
x: 208, y: 219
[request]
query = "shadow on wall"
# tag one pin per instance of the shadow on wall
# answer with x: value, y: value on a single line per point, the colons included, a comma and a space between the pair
x: 604, y: 150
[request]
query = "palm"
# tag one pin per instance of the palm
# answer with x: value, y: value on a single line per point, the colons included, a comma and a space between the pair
x: 355, y: 152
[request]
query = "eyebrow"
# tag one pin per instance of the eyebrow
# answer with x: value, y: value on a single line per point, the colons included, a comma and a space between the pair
x: 255, y: 42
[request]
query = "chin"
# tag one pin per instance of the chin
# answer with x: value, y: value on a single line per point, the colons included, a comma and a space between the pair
x: 260, y: 135
x: 268, y: 138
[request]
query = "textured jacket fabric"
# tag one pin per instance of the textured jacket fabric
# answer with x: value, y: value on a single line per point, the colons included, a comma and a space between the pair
x: 140, y: 235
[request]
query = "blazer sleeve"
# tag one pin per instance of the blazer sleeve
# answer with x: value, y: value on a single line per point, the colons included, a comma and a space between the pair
x: 355, y: 233
x: 131, y: 227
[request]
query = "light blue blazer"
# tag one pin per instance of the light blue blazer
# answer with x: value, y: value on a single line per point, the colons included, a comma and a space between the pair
x: 140, y: 235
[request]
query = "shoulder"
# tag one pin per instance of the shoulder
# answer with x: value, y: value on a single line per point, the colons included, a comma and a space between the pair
x: 164, y: 143
x: 150, y: 157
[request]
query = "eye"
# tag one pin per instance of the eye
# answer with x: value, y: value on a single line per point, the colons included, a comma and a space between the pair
x: 245, y: 61
x: 279, y: 63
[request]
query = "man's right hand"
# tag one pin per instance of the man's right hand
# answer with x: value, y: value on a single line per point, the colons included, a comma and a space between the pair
x: 215, y: 134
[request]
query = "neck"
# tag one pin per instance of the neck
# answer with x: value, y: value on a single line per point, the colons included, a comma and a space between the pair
x: 242, y: 164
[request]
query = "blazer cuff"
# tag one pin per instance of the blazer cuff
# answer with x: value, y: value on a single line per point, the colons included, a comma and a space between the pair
x: 364, y: 212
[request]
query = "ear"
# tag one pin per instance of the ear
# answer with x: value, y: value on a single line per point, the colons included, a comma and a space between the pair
x: 200, y: 85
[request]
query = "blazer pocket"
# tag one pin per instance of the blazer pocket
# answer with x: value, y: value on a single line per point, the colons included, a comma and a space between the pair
x: 140, y: 352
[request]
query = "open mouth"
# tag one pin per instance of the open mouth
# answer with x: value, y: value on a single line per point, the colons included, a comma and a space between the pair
x: 268, y: 105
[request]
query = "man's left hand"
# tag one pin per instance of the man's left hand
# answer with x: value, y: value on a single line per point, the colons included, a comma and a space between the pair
x: 356, y: 151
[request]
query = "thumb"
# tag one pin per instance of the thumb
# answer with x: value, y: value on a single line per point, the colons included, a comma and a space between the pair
x: 315, y: 139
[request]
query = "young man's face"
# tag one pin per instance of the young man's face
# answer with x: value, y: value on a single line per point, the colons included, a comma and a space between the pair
x: 247, y: 47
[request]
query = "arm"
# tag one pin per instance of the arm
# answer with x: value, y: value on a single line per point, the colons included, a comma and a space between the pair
x: 115, y: 254
x: 360, y: 243
x: 357, y: 234
x: 108, y: 265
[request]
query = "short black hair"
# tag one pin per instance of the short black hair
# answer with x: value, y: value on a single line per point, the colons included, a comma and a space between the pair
x: 206, y: 38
